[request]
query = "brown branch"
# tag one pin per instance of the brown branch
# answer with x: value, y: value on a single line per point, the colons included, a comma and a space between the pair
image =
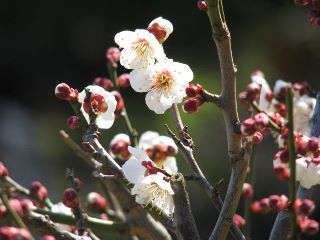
x: 183, y: 217
x: 197, y: 174
x: 239, y: 157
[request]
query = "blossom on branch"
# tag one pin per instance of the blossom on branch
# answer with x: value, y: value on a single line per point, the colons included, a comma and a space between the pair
x: 151, y: 185
x: 103, y: 102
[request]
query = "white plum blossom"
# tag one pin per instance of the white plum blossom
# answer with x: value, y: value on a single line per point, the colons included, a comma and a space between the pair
x: 307, y: 173
x: 140, y: 49
x: 303, y: 111
x: 149, y: 188
x: 120, y: 137
x: 165, y: 83
x: 161, y: 28
x: 103, y: 101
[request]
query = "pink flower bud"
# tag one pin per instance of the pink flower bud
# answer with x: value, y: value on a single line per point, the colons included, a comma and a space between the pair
x: 113, y: 54
x: 64, y: 92
x: 308, y: 226
x: 120, y: 148
x: 48, y: 237
x: 284, y: 155
x: 26, y: 205
x: 253, y: 91
x: 3, y: 170
x: 38, y: 190
x: 202, y: 5
x: 313, y: 144
x: 281, y: 109
x: 192, y: 105
x: 247, y: 190
x: 281, y: 172
x: 104, y: 216
x: 16, y: 206
x: 70, y: 198
x: 193, y: 90
x: 73, y: 122
x: 96, y: 201
x: 3, y: 211
x: 13, y: 233
x: 103, y: 82
x: 278, y: 203
x: 303, y: 207
x: 248, y: 127
x: 257, y: 137
x: 301, y: 2
x: 120, y: 102
x: 238, y: 220
x: 77, y: 182
x: 261, y: 206
x: 261, y: 121
x: 123, y: 80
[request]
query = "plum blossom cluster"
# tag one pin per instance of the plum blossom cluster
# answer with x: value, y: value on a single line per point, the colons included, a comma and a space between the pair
x: 151, y: 183
x: 163, y: 79
x: 314, y: 12
x: 160, y: 149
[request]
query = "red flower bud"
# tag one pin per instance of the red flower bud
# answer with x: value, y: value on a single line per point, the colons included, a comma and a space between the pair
x: 238, y: 220
x: 113, y: 54
x: 193, y: 90
x: 257, y: 137
x: 38, y: 190
x: 26, y: 205
x: 16, y: 206
x: 253, y: 91
x: 281, y: 108
x: 202, y: 5
x: 103, y: 82
x: 70, y: 198
x: 3, y: 170
x: 120, y: 102
x: 248, y: 127
x: 73, y: 122
x: 284, y: 155
x: 123, y: 80
x: 308, y: 226
x: 48, y: 237
x: 247, y: 190
x: 77, y: 182
x: 278, y: 203
x: 303, y: 207
x: 64, y: 92
x: 13, y: 233
x: 281, y: 172
x: 313, y: 144
x: 301, y: 2
x: 96, y: 201
x: 261, y: 121
x: 261, y: 206
x: 3, y: 211
x: 192, y: 105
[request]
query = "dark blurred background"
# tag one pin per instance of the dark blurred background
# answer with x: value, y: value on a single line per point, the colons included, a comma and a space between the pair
x: 43, y: 43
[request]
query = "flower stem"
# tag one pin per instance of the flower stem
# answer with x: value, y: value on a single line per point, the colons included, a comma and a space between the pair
x: 292, y: 159
x: 248, y: 200
x: 12, y: 213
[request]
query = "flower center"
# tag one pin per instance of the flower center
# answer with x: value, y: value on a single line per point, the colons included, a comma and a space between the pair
x: 142, y: 48
x: 97, y: 102
x: 163, y: 81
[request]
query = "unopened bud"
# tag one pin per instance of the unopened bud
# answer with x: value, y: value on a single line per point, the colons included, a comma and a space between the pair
x: 238, y: 220
x: 192, y: 105
x: 103, y: 82
x: 161, y: 28
x: 303, y: 207
x: 70, y: 198
x: 278, y: 203
x: 48, y: 237
x: 3, y: 211
x: 38, y: 190
x: 96, y: 201
x: 193, y: 90
x: 248, y: 127
x: 123, y: 80
x: 64, y: 92
x: 281, y: 172
x: 16, y: 206
x: 113, y: 54
x: 253, y: 91
x: 257, y: 137
x: 120, y: 102
x: 261, y: 120
x: 247, y: 190
x: 284, y: 155
x: 3, y: 170
x: 202, y: 5
x: 73, y: 122
x: 309, y: 226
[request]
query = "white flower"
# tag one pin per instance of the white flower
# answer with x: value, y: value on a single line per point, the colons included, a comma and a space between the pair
x: 103, y: 101
x: 161, y: 28
x: 165, y: 83
x: 140, y: 49
x: 308, y: 174
x: 150, y: 140
x: 152, y: 189
x: 120, y: 137
x: 265, y: 90
x: 302, y: 112
x: 279, y: 85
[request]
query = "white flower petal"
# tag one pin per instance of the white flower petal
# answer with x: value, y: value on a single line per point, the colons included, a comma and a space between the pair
x: 140, y: 80
x: 146, y: 139
x: 124, y: 38
x: 140, y: 154
x: 170, y: 165
x: 120, y: 137
x: 133, y: 170
x: 157, y: 102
